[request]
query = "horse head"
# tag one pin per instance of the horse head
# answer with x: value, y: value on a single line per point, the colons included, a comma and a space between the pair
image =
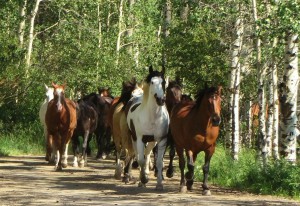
x: 59, y: 95
x: 156, y: 80
x: 214, y: 102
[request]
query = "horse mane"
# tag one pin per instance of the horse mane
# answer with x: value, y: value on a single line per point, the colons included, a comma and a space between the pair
x: 127, y: 88
x: 201, y: 93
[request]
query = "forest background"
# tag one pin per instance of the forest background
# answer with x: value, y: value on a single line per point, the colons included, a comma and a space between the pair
x: 249, y: 47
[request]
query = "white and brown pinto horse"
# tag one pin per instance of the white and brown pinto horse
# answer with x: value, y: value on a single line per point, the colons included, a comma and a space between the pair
x: 61, y: 122
x: 42, y: 114
x: 148, y: 122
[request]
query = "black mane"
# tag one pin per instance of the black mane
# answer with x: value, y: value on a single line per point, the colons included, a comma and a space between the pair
x: 206, y: 91
x: 127, y: 88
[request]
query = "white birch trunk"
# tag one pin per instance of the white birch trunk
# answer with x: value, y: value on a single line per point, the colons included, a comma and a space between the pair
x: 235, y: 84
x: 275, y: 153
x: 261, y: 89
x: 31, y: 36
x: 166, y: 29
x: 288, y: 124
x: 22, y: 23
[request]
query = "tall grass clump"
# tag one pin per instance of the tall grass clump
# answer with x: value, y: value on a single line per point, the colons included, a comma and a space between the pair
x: 248, y: 174
x: 22, y: 139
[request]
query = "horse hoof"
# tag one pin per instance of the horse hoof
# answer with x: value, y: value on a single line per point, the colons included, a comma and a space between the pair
x: 126, y: 180
x: 189, y: 187
x: 103, y: 156
x: 144, y: 179
x: 206, y: 193
x: 81, y: 165
x: 183, y: 189
x: 75, y: 164
x: 141, y: 184
x: 58, y: 169
x: 135, y: 165
x: 159, y: 187
x: 64, y: 165
x: 117, y: 176
x: 169, y: 173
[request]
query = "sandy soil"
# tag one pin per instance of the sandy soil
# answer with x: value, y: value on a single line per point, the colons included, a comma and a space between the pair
x: 29, y: 180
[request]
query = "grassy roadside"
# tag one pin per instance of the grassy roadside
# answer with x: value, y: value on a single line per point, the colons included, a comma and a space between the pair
x: 278, y: 178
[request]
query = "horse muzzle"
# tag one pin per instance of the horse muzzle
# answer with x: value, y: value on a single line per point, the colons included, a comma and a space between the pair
x: 215, y: 120
x: 159, y: 100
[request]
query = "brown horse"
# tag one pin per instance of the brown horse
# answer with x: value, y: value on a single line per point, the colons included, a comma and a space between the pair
x: 120, y: 130
x: 61, y: 122
x: 195, y: 127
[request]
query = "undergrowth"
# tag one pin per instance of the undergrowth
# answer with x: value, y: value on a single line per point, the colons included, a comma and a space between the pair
x: 247, y: 173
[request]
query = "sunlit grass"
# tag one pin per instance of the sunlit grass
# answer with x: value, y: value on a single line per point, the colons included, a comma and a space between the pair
x: 248, y: 174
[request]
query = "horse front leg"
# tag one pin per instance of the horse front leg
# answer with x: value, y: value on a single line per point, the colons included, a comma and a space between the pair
x: 141, y: 160
x: 183, y: 187
x: 208, y: 155
x: 127, y: 169
x: 170, y: 170
x: 83, y: 160
x: 191, y: 167
x: 161, y: 148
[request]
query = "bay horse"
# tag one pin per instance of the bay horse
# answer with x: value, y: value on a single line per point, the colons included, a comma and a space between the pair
x: 148, y: 122
x: 61, y: 122
x: 195, y: 127
x: 42, y: 113
x: 120, y: 130
x: 87, y: 120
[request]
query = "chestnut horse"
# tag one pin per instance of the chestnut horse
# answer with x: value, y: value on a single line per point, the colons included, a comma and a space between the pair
x: 148, y: 122
x: 120, y: 130
x: 61, y: 122
x: 195, y: 127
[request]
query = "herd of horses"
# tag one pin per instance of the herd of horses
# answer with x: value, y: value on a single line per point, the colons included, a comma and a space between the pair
x: 146, y: 118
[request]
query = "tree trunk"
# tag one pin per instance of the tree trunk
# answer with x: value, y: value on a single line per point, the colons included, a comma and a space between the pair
x: 22, y: 23
x: 166, y: 26
x: 31, y: 36
x: 275, y: 106
x: 288, y: 100
x: 261, y: 89
x: 234, y: 86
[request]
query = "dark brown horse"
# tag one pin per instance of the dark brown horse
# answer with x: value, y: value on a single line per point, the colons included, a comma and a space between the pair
x: 195, y: 128
x: 61, y: 121
x: 87, y: 120
x: 103, y: 131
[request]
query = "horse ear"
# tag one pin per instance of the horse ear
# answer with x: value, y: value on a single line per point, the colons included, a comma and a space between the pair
x: 64, y: 85
x: 54, y: 85
x: 150, y: 69
x: 46, y: 87
x: 219, y: 90
x: 167, y: 81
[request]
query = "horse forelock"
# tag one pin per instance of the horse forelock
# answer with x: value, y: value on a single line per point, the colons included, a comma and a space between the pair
x: 206, y: 92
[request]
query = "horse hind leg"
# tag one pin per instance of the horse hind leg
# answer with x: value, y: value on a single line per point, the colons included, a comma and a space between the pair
x: 127, y: 169
x: 118, y: 170
x: 183, y: 187
x: 170, y: 170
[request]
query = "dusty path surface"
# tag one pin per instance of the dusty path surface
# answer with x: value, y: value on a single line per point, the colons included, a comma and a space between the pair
x: 29, y: 180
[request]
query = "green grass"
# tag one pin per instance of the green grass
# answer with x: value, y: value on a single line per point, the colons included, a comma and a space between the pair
x: 247, y: 174
x: 22, y: 140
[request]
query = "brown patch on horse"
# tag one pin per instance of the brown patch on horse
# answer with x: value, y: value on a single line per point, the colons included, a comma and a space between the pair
x: 132, y: 131
x: 147, y: 138
x: 134, y: 107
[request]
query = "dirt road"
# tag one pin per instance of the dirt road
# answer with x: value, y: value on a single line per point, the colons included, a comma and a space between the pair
x: 29, y: 180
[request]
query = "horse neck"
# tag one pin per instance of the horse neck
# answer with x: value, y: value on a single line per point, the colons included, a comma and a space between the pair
x: 203, y: 114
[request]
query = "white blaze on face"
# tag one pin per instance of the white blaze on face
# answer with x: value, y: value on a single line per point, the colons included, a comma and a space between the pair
x: 156, y: 87
x: 59, y: 93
